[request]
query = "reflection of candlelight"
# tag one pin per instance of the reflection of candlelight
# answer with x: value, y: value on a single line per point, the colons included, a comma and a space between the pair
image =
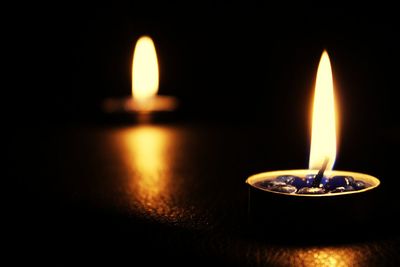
x: 145, y: 83
x: 329, y: 256
x: 323, y: 150
x: 146, y: 153
x: 153, y: 184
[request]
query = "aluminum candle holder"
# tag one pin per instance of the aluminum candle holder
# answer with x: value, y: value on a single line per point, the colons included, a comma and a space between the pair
x: 305, y: 210
x: 319, y: 199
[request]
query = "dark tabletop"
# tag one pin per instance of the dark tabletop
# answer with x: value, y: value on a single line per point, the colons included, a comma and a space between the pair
x: 176, y: 193
x: 89, y: 190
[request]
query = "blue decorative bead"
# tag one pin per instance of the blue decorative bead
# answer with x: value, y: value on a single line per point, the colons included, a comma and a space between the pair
x: 349, y: 188
x: 283, y: 189
x: 311, y: 190
x: 338, y: 189
x: 324, y: 180
x: 276, y: 183
x: 358, y: 185
x: 298, y: 183
x: 269, y: 183
x: 338, y: 181
x: 310, y: 179
x: 310, y: 176
x: 342, y: 189
x: 350, y: 179
x: 286, y: 178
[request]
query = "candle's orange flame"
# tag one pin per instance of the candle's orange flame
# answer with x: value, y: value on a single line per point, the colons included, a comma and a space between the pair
x: 144, y: 69
x: 323, y: 135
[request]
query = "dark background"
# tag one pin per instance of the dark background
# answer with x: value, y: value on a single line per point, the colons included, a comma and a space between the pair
x: 244, y: 75
x: 229, y: 61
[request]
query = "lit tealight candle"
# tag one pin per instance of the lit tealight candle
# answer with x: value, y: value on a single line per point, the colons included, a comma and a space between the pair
x: 145, y: 83
x: 319, y: 179
x: 318, y: 191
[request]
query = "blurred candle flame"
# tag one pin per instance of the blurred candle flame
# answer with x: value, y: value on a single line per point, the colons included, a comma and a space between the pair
x: 144, y: 70
x: 323, y: 135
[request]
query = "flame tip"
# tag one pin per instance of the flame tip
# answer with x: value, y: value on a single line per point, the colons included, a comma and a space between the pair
x: 145, y: 36
x: 325, y: 54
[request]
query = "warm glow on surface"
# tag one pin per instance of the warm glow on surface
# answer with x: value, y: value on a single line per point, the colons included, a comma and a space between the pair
x: 150, y: 179
x: 323, y: 135
x: 328, y: 257
x: 144, y: 69
x: 147, y: 156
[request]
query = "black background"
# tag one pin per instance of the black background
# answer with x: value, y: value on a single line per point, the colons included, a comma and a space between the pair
x: 244, y: 75
x: 232, y: 61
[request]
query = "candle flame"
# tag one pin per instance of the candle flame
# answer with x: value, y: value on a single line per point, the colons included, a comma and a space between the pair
x: 144, y: 69
x: 323, y: 135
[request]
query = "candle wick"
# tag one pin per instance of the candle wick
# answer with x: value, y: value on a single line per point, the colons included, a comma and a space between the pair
x: 320, y: 174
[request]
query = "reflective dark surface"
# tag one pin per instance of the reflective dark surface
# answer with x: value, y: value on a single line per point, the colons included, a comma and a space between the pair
x: 176, y: 194
x: 85, y: 191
